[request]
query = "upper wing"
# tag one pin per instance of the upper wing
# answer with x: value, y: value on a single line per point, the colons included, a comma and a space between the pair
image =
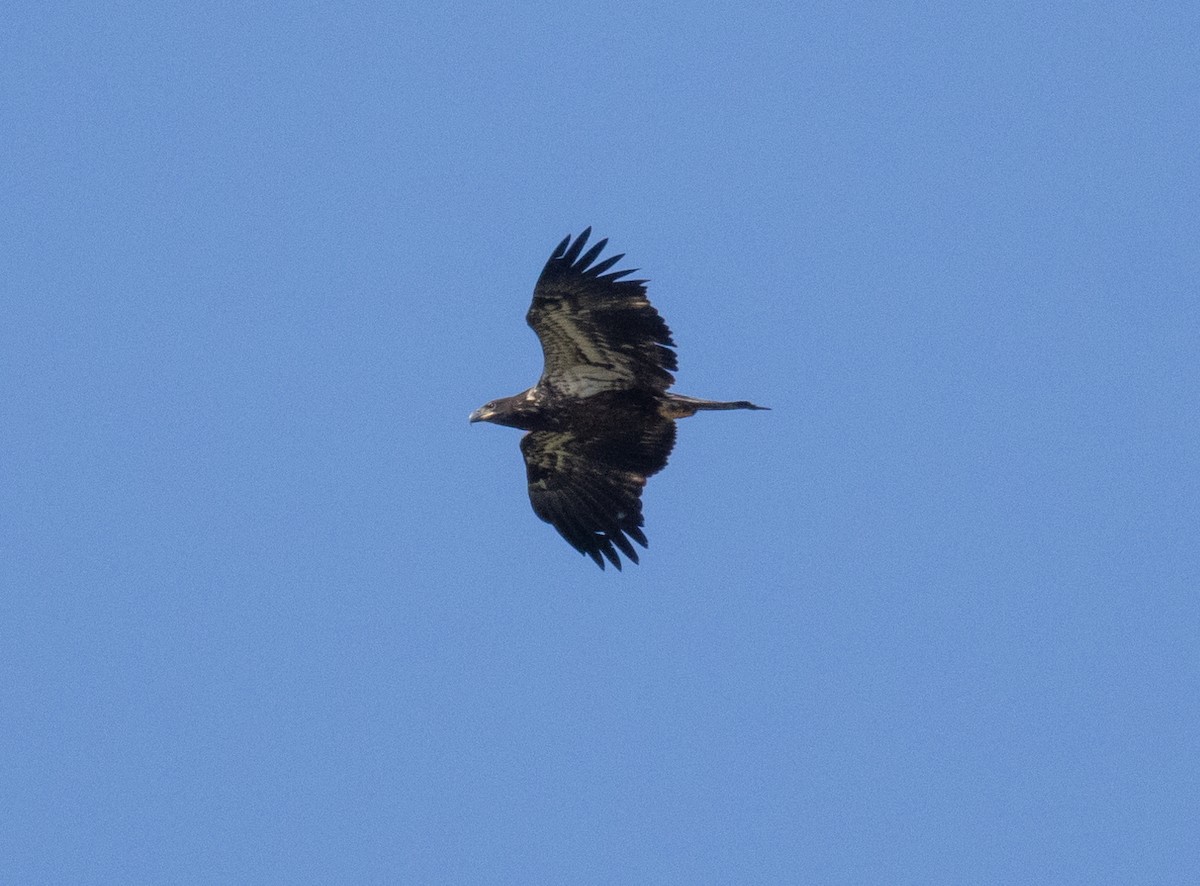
x: 598, y: 332
x: 589, y: 488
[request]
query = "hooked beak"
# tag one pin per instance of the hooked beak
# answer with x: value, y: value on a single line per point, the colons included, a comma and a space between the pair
x: 478, y: 415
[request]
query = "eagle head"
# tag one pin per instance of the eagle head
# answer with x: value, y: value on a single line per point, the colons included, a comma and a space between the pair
x: 520, y: 411
x: 486, y: 412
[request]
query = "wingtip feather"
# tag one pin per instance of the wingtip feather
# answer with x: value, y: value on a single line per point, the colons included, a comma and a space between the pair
x: 575, y: 248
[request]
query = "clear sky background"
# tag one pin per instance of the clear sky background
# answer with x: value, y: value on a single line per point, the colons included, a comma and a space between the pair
x: 272, y: 611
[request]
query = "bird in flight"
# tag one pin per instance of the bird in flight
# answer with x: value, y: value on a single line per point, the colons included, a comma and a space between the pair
x: 600, y: 419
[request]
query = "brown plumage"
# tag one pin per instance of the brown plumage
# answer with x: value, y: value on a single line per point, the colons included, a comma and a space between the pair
x: 600, y: 419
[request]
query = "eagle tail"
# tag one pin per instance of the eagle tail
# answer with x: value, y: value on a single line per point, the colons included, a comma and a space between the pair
x: 679, y: 406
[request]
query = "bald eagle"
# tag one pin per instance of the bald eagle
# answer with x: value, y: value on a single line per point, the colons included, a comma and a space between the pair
x: 600, y: 419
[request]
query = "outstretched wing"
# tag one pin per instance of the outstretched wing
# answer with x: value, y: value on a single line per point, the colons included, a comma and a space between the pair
x: 589, y: 488
x: 599, y: 332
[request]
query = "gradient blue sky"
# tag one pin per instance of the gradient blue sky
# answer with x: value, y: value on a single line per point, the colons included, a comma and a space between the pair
x: 272, y: 611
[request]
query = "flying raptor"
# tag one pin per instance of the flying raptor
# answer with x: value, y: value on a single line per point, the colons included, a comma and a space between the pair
x: 600, y: 419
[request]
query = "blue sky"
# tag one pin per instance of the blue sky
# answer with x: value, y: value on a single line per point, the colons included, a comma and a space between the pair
x: 272, y: 611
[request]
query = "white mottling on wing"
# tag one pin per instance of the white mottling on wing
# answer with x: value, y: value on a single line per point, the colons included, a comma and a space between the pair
x: 588, y: 380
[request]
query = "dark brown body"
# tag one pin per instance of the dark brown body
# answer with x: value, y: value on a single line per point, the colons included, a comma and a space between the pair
x: 605, y: 410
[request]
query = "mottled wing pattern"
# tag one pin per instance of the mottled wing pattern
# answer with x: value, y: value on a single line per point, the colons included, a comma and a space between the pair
x: 589, y: 488
x: 599, y: 332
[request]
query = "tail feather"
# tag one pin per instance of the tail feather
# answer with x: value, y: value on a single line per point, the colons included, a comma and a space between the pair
x: 680, y: 406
